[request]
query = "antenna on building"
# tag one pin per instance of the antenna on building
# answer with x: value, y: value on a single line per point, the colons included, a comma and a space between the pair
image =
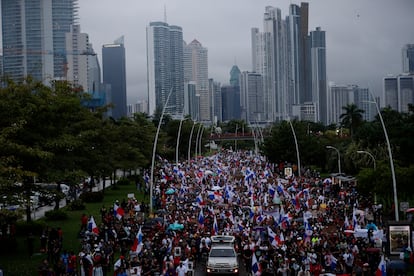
x: 165, y: 13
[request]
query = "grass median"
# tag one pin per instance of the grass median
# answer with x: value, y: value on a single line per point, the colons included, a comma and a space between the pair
x: 17, y: 261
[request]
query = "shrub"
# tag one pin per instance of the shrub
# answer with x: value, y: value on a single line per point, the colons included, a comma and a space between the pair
x: 35, y: 227
x: 89, y: 197
x: 76, y: 205
x: 56, y: 215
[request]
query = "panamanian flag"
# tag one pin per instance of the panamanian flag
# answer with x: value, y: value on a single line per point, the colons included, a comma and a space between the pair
x: 255, y: 266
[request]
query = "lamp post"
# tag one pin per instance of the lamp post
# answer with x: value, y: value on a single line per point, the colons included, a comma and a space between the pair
x: 189, y: 143
x: 198, y: 135
x: 370, y: 154
x: 200, y: 142
x: 297, y: 147
x: 153, y: 152
x: 339, y: 157
x: 394, y: 181
x: 178, y: 140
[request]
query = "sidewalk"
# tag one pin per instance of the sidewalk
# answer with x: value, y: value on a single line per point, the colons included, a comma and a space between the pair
x: 40, y: 212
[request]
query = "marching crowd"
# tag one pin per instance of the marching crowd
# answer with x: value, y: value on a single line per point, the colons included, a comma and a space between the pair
x: 283, y: 224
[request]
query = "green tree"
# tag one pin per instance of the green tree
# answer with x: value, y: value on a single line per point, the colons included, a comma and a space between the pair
x: 351, y: 118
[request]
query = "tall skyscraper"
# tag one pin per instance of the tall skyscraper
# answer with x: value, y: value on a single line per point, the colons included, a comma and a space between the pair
x: 77, y: 45
x: 408, y: 58
x: 196, y: 70
x: 319, y: 82
x: 217, y: 108
x: 34, y: 37
x: 230, y: 98
x: 391, y: 92
x: 251, y: 97
x: 165, y: 67
x: 114, y: 74
x: 399, y: 92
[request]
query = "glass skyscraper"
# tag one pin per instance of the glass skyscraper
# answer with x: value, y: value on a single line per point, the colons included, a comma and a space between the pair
x: 114, y: 74
x: 34, y: 37
x: 165, y: 67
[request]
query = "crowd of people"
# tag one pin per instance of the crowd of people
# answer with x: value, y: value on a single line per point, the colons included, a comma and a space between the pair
x: 283, y: 224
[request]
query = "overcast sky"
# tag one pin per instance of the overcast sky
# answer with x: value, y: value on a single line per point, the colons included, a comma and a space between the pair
x: 364, y: 38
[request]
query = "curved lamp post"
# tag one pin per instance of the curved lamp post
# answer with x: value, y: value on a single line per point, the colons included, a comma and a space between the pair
x: 339, y: 157
x: 178, y: 140
x: 394, y: 181
x: 200, y: 142
x: 153, y: 152
x: 370, y: 154
x: 198, y: 135
x: 296, y: 144
x: 189, y: 143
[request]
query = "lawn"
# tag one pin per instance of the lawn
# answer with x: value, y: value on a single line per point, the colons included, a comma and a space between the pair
x: 19, y: 262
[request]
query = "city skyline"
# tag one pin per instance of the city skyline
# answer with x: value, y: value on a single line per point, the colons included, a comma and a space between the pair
x: 354, y: 33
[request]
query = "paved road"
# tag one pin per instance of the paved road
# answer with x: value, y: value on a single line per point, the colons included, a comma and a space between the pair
x: 200, y: 269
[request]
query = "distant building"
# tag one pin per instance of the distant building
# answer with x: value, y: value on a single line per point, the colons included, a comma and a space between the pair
x: 252, y: 98
x: 196, y: 70
x: 408, y: 58
x: 230, y: 98
x: 319, y: 82
x: 33, y: 37
x: 114, y: 74
x: 305, y: 112
x: 191, y: 101
x: 399, y: 92
x: 235, y: 76
x: 165, y: 68
x: 215, y: 94
x: 141, y: 107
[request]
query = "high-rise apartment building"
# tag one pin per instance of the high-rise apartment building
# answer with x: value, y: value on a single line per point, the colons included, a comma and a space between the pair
x: 399, y: 92
x: 293, y: 69
x: 33, y: 35
x: 251, y: 98
x: 114, y: 74
x: 319, y: 82
x: 77, y: 47
x: 165, y: 67
x: 217, y: 109
x: 196, y: 70
x: 408, y: 58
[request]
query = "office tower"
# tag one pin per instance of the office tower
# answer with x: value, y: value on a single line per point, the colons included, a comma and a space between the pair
x: 306, y: 111
x: 33, y: 35
x: 114, y: 74
x: 269, y: 60
x: 77, y: 47
x: 340, y: 96
x: 217, y: 108
x: 196, y: 70
x: 94, y: 71
x: 235, y: 76
x: 362, y: 99
x: 191, y: 101
x: 141, y: 107
x: 165, y: 67
x: 405, y: 92
x: 251, y: 98
x: 319, y: 83
x: 391, y: 92
x: 408, y: 58
x: 230, y: 99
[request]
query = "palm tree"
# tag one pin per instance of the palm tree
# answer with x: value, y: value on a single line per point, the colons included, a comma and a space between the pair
x: 351, y: 118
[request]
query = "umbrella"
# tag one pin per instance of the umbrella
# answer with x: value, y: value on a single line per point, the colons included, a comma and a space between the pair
x: 327, y: 181
x: 216, y: 188
x: 410, y: 210
x: 207, y: 172
x: 176, y: 226
x: 170, y: 191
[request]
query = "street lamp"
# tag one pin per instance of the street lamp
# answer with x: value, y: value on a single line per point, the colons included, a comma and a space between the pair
x: 189, y: 143
x: 339, y: 157
x: 394, y: 181
x: 200, y: 142
x: 196, y: 145
x: 153, y: 151
x: 297, y: 147
x: 178, y: 140
x: 370, y: 154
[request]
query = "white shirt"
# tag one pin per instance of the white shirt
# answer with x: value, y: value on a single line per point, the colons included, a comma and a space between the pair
x: 181, y: 270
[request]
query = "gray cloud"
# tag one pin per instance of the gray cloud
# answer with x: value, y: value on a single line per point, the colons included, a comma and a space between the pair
x: 364, y: 38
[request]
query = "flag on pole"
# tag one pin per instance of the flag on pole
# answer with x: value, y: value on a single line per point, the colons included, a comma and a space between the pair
x: 138, y: 243
x: 255, y: 266
x: 201, y: 217
x: 118, y: 211
x: 92, y: 226
x: 381, y: 270
x: 272, y: 237
x: 215, y: 226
